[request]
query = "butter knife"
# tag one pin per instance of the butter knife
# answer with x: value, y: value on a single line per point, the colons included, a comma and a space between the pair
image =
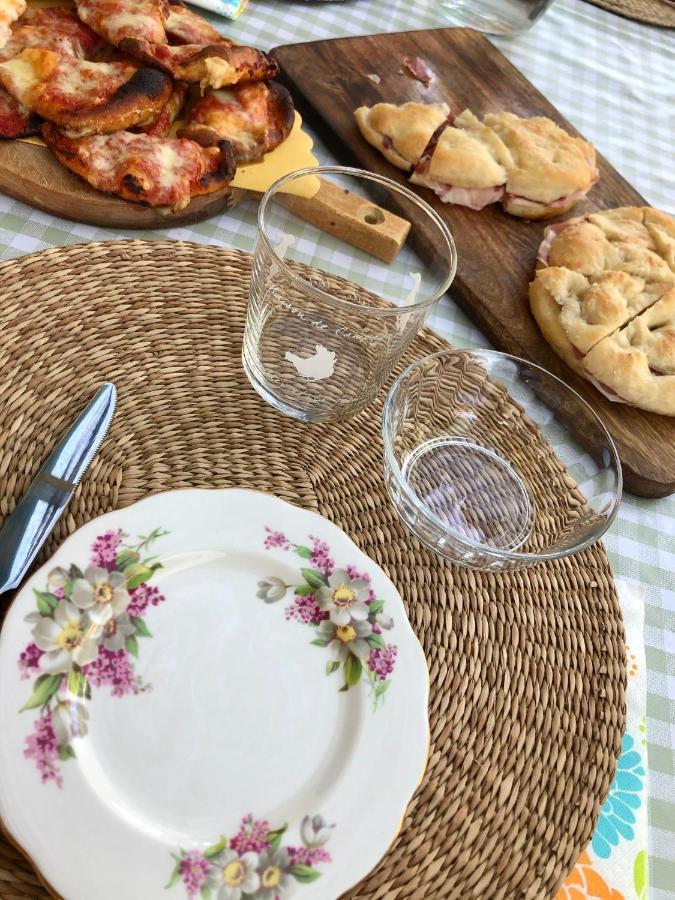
x: 38, y: 511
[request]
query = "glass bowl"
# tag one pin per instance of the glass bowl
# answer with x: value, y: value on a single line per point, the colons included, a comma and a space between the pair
x: 494, y: 463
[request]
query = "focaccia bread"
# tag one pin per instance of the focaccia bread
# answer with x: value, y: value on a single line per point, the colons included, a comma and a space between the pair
x: 401, y: 133
x: 551, y: 170
x: 466, y: 164
x: 601, y: 285
x: 90, y: 97
x: 533, y: 166
x: 213, y: 66
x: 255, y: 118
x: 156, y: 171
x: 637, y: 363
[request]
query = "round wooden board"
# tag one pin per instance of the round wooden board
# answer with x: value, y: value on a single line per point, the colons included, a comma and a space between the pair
x: 29, y: 172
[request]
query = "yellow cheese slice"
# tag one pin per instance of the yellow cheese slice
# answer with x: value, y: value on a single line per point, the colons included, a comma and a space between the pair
x: 295, y: 153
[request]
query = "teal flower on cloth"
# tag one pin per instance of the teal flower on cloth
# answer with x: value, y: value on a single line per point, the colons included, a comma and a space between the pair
x: 617, y: 816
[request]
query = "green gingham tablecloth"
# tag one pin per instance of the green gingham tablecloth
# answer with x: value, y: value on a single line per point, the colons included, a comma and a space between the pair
x: 615, y: 80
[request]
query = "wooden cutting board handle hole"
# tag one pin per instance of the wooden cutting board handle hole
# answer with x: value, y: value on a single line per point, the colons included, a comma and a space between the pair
x: 373, y: 215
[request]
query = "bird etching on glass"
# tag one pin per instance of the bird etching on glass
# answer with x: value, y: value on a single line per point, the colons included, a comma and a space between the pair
x: 316, y: 367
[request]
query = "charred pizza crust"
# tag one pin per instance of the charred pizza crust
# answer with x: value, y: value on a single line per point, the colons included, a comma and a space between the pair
x: 160, y: 125
x: 214, y: 66
x: 255, y: 118
x: 155, y: 171
x: 94, y: 98
x: 401, y: 133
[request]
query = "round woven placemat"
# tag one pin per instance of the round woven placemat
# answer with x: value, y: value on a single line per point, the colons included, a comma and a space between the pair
x: 654, y: 12
x: 527, y: 669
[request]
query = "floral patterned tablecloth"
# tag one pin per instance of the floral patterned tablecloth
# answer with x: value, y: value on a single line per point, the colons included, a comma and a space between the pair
x: 615, y: 864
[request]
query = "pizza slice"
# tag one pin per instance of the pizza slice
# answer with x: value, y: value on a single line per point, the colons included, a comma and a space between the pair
x: 87, y: 96
x: 45, y: 38
x: 160, y: 125
x: 155, y: 171
x: 116, y: 20
x: 15, y: 120
x: 51, y: 25
x: 10, y: 11
x: 186, y: 27
x: 212, y: 66
x: 255, y: 118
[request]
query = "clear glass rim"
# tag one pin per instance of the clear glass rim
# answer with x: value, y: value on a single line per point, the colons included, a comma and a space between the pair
x: 379, y: 179
x: 495, y: 553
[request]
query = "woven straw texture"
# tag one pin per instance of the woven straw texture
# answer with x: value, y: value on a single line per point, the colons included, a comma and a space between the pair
x: 654, y: 12
x: 527, y: 669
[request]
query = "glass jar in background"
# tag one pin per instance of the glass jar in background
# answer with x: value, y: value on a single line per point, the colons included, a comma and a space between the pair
x: 503, y: 17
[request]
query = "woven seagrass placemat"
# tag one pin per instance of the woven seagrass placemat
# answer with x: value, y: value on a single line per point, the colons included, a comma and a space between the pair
x: 654, y: 12
x: 527, y: 669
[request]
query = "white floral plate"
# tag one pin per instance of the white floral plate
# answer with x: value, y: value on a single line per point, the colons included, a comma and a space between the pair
x: 213, y: 692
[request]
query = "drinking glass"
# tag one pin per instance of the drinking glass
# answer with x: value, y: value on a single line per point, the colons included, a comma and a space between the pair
x: 327, y: 321
x: 495, y: 16
x: 494, y: 463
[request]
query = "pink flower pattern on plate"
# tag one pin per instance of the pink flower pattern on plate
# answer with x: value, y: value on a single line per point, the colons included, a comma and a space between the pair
x: 342, y: 605
x: 42, y: 748
x: 255, y: 849
x: 29, y: 660
x: 67, y: 650
x: 193, y: 869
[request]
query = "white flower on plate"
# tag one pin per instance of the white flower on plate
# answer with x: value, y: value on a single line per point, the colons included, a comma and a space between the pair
x: 70, y: 637
x: 102, y: 593
x: 57, y: 578
x: 69, y: 720
x: 345, y: 639
x: 314, y: 831
x: 234, y: 876
x: 116, y: 631
x: 344, y: 598
x: 274, y: 878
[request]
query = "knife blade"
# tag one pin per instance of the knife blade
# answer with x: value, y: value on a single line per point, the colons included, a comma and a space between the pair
x: 38, y: 511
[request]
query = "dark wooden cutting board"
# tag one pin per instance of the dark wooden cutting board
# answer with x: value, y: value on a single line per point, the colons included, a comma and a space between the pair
x: 496, y: 251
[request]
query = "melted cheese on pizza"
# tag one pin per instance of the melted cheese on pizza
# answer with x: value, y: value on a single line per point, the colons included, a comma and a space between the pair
x: 240, y: 114
x: 10, y: 10
x: 53, y: 28
x: 161, y: 171
x: 186, y: 27
x: 118, y: 19
x: 39, y: 36
x: 42, y: 79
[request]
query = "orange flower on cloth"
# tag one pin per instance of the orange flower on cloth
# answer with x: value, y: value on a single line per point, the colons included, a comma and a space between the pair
x: 584, y: 883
